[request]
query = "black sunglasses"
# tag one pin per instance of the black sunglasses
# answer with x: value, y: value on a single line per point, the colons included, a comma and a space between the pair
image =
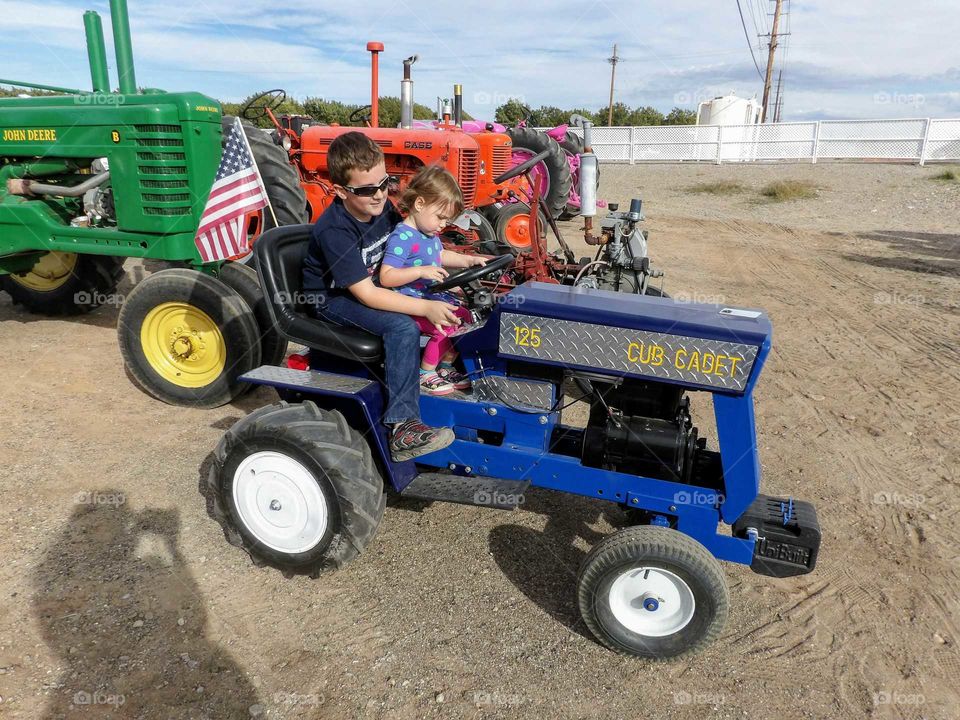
x: 370, y: 190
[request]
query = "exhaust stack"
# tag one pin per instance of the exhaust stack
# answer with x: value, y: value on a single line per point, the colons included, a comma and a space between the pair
x: 121, y: 41
x: 588, y: 174
x: 97, y: 52
x: 458, y: 105
x: 374, y: 48
x: 406, y: 94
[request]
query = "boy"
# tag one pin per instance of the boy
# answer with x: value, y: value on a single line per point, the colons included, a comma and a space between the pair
x: 346, y: 246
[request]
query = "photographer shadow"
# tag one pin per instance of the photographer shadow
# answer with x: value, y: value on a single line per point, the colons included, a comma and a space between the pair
x: 117, y: 605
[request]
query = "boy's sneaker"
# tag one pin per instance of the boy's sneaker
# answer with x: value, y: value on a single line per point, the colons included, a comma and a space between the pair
x: 412, y: 439
x: 455, y: 378
x: 433, y: 384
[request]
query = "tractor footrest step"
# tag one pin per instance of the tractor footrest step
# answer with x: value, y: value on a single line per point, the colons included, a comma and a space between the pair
x: 468, y: 490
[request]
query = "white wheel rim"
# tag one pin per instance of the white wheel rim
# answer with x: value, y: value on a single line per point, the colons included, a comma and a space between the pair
x: 651, y: 601
x: 280, y: 502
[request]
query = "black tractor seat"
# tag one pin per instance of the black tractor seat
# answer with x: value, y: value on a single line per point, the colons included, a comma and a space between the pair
x: 279, y: 256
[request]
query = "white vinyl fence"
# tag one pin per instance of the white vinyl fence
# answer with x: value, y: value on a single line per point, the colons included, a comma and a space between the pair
x: 923, y: 140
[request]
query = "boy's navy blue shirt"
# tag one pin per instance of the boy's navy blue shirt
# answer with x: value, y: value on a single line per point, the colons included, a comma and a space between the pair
x: 344, y: 251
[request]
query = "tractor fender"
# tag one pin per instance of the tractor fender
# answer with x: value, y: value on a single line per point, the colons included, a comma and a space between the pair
x: 359, y: 399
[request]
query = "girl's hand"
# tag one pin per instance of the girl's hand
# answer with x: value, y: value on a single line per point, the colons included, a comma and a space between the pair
x: 441, y: 314
x: 433, y: 272
x: 474, y: 260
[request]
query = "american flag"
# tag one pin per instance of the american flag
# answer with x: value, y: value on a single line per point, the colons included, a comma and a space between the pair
x: 237, y: 190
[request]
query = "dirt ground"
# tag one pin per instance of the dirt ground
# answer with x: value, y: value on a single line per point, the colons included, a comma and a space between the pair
x: 122, y: 599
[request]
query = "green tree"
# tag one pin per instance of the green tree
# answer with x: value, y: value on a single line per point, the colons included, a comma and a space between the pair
x: 549, y: 116
x: 328, y: 111
x: 644, y: 116
x: 620, y: 114
x: 288, y: 107
x: 511, y: 112
x: 679, y: 116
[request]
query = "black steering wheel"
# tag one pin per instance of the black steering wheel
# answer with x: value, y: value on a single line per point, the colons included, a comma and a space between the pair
x: 522, y: 167
x: 467, y: 276
x: 257, y: 107
x: 361, y: 114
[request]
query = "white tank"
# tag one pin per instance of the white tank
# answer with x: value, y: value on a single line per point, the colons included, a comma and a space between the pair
x: 728, y: 110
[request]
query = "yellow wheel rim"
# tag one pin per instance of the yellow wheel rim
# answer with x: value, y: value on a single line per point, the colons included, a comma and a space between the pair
x: 51, y: 271
x: 183, y: 344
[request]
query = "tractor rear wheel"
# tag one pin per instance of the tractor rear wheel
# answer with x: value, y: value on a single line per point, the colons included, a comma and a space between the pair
x: 296, y: 488
x: 528, y: 142
x: 186, y: 337
x: 245, y: 281
x: 63, y: 283
x: 282, y: 183
x: 652, y: 592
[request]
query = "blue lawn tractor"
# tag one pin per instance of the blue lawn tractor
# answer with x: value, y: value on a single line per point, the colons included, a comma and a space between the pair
x: 299, y: 485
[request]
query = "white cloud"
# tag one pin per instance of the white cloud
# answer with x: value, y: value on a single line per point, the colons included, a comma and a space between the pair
x: 840, y: 54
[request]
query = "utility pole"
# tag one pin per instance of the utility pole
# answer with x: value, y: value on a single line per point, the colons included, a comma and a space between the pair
x: 613, y: 71
x: 773, y: 49
x: 776, y: 102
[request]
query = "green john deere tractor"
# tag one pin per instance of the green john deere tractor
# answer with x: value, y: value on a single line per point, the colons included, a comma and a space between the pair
x: 88, y: 179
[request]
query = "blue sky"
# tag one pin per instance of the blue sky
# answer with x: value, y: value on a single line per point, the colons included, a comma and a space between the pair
x: 845, y: 60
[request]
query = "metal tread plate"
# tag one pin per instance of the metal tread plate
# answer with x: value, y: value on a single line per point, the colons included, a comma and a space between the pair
x: 529, y: 394
x: 468, y: 490
x: 692, y: 360
x: 311, y: 379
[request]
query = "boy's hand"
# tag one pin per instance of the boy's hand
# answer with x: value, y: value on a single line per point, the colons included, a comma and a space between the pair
x: 433, y: 272
x: 441, y: 314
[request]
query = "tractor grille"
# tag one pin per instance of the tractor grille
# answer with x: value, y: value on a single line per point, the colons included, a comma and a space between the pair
x: 467, y: 175
x: 160, y: 152
x: 501, y: 160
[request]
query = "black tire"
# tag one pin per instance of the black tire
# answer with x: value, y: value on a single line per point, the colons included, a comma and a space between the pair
x: 668, y: 553
x: 502, y: 220
x: 572, y: 143
x: 234, y: 321
x: 280, y: 179
x: 336, y: 458
x: 482, y: 238
x: 244, y: 279
x: 557, y: 167
x: 88, y: 283
x: 487, y: 242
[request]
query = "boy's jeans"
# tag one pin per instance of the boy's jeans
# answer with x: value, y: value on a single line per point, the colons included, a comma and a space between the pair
x: 401, y: 348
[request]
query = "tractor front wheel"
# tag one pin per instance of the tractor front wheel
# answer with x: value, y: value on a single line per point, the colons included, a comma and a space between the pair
x: 652, y: 592
x: 187, y: 337
x: 512, y: 223
x: 296, y: 488
x: 63, y: 283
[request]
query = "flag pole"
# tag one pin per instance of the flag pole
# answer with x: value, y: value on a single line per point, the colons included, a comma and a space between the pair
x: 246, y: 142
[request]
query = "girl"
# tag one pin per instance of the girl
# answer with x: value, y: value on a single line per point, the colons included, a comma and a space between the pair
x: 415, y: 259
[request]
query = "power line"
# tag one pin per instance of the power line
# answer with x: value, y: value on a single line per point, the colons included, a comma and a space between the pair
x: 749, y: 44
x: 783, y: 61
